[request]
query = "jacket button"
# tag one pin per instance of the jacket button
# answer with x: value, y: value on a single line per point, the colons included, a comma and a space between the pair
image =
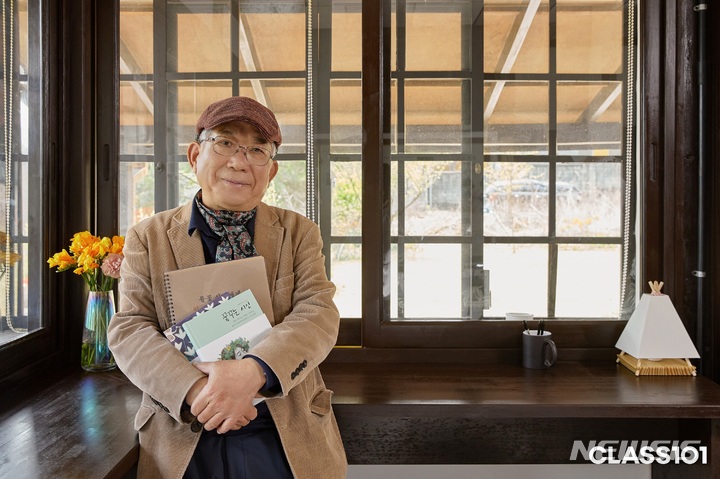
x: 196, y: 426
x: 186, y: 415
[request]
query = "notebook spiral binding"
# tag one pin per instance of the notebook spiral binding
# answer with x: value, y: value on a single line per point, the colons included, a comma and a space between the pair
x: 169, y: 296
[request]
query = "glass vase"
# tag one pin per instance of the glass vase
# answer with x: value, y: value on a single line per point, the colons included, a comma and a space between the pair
x: 96, y: 355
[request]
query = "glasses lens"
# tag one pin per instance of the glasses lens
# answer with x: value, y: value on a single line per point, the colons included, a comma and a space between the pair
x: 224, y: 147
x: 257, y: 155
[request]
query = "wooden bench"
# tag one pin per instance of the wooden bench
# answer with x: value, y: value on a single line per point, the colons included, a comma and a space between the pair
x: 505, y: 414
x: 72, y: 424
x: 80, y: 424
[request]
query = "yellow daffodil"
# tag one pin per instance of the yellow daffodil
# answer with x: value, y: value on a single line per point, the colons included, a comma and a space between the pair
x: 81, y: 241
x: 62, y: 260
x: 87, y: 254
x: 118, y: 243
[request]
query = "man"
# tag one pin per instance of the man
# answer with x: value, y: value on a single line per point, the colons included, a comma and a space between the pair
x: 198, y: 421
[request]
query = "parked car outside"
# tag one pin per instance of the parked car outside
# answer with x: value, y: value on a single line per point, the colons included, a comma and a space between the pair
x: 524, y: 190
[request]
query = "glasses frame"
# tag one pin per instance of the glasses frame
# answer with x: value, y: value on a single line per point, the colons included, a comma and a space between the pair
x: 240, y: 147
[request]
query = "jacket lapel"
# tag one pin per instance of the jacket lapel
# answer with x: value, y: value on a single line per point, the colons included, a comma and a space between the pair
x: 268, y: 241
x: 188, y: 250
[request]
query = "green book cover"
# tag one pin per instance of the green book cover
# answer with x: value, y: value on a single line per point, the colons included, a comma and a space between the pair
x: 228, y: 330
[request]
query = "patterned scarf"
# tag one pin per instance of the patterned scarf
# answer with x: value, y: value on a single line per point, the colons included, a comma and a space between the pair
x: 235, y: 240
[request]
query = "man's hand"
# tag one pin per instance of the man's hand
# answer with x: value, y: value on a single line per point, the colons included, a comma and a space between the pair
x: 195, y: 390
x: 225, y: 402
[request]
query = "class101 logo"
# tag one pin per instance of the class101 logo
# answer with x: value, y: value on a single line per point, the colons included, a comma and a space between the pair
x: 640, y: 452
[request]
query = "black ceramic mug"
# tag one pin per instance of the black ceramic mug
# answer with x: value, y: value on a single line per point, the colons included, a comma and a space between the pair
x: 539, y: 351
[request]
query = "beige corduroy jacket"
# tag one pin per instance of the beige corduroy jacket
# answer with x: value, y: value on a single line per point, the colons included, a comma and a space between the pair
x: 305, y: 330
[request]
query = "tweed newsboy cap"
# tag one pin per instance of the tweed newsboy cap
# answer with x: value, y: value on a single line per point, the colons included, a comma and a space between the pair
x: 241, y: 108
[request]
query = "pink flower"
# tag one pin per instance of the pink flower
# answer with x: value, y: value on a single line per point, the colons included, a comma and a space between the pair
x: 111, y: 265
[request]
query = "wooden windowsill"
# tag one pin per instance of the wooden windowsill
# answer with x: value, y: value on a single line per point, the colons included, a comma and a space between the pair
x: 569, y: 389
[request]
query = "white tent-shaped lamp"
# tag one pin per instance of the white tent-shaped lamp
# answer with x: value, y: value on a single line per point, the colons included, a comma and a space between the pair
x: 655, y: 341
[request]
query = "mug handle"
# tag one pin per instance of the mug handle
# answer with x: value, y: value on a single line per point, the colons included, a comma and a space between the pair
x: 553, y: 350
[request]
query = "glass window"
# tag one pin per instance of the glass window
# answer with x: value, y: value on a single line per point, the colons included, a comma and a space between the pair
x: 248, y: 48
x: 549, y: 145
x: 508, y: 145
x: 21, y: 228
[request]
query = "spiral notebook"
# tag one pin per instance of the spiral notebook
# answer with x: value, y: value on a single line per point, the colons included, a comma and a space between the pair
x: 190, y: 289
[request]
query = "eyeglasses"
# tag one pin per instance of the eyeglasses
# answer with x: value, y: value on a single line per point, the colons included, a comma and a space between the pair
x: 256, y: 155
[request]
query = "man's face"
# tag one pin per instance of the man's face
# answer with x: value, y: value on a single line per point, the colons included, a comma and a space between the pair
x: 231, y: 183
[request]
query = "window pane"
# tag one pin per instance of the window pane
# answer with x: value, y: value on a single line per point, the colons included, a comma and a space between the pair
x: 136, y: 196
x: 589, y: 118
x: 136, y: 118
x: 136, y: 37
x: 394, y: 196
x: 518, y: 278
x: 22, y: 38
x: 270, y: 37
x: 346, y: 178
x: 22, y: 262
x: 434, y: 38
x: 429, y: 281
x: 287, y: 189
x: 345, y: 116
x: 516, y: 36
x: 516, y: 118
x: 515, y: 202
x: 212, y: 53
x: 589, y: 281
x: 346, y: 37
x: 433, y: 116
x: 346, y: 273
x: 187, y: 184
x: 394, y: 126
x: 273, y: 39
x: 433, y: 198
x: 137, y: 193
x: 590, y: 36
x: 589, y: 199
